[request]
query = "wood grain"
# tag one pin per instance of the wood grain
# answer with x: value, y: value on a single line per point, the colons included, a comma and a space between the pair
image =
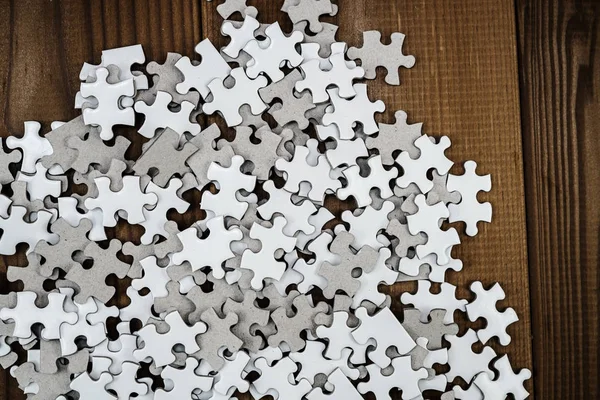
x: 464, y: 85
x: 559, y: 56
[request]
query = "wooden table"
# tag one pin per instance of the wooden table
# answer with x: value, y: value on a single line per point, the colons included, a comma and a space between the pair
x: 513, y: 84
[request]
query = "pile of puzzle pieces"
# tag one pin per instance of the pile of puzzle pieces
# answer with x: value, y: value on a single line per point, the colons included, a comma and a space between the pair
x: 269, y: 294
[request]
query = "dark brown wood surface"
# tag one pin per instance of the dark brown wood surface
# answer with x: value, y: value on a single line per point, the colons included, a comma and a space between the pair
x: 560, y: 107
x: 485, y: 68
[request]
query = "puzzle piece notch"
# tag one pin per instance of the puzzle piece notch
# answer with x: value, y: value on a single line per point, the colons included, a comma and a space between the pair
x: 91, y: 322
x: 317, y: 80
x: 92, y: 282
x: 32, y: 145
x: 433, y: 330
x: 230, y: 7
x: 374, y: 54
x: 342, y: 388
x: 109, y: 109
x: 129, y: 199
x: 370, y: 282
x: 432, y: 157
x: 400, y: 136
x: 339, y: 336
x: 309, y: 11
x: 262, y: 155
x: 231, y: 376
x: 484, y: 306
x: 249, y: 316
x: 158, y: 115
x: 6, y: 159
x: 39, y: 185
x: 313, y: 362
x: 156, y: 219
x: 349, y: 112
x: 217, y: 338
x: 26, y: 313
x: 279, y: 49
x: 387, y: 332
x: 289, y: 327
x: 32, y: 278
x: 155, y: 278
x: 229, y: 181
x: 228, y: 100
x: 277, y: 380
x: 359, y: 186
x: 92, y: 151
x: 425, y: 301
x: 16, y: 230
x: 296, y: 214
x: 299, y: 170
x: 158, y: 346
x: 470, y: 210
x: 166, y: 77
x: 507, y: 382
x: 211, y: 251
x: 183, y: 382
x: 366, y: 224
x: 427, y: 221
x: 403, y: 377
x: 67, y: 210
x: 123, y: 59
x: 263, y: 263
x: 165, y: 156
x: 212, y: 66
x: 240, y: 34
x: 463, y: 361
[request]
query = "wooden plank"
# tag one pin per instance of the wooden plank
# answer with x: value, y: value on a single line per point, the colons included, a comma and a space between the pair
x: 465, y: 85
x: 559, y: 53
x: 42, y: 52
